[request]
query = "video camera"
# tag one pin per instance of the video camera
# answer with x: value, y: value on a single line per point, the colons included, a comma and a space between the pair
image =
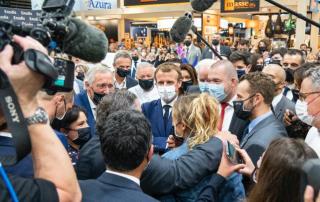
x: 52, y: 34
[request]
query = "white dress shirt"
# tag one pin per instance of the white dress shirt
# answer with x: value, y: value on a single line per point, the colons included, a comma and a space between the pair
x: 129, y: 177
x: 214, y: 57
x: 93, y: 107
x: 228, y: 114
x: 122, y: 85
x: 170, y: 104
x: 145, y: 96
x: 313, y: 140
x: 276, y: 100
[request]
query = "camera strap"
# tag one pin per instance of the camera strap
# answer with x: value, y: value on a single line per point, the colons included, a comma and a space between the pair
x: 15, y: 121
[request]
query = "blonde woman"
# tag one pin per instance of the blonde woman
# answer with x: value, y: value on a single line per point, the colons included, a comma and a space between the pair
x: 195, y: 119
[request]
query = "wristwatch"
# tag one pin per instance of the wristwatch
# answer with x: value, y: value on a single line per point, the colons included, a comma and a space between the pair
x: 39, y: 117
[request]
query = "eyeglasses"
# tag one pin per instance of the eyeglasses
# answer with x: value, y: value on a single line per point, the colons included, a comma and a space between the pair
x: 304, y: 96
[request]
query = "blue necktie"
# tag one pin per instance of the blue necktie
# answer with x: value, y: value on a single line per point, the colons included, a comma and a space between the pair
x: 166, y: 115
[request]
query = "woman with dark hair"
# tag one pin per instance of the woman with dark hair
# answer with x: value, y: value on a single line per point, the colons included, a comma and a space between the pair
x: 189, y: 77
x: 257, y: 63
x: 277, y: 175
x: 77, y: 131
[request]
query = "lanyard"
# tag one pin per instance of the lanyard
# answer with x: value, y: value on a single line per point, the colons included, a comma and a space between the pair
x: 8, y: 184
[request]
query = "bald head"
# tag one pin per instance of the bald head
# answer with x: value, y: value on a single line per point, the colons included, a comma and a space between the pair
x: 223, y: 73
x: 227, y: 67
x: 278, y: 75
x: 276, y: 72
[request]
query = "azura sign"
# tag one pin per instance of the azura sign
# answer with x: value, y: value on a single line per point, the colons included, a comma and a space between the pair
x: 102, y: 4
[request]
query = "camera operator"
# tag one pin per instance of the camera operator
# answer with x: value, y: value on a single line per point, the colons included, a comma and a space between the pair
x: 54, y: 178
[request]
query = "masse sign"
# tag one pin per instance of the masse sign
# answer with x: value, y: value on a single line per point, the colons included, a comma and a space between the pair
x: 239, y: 5
x: 150, y: 2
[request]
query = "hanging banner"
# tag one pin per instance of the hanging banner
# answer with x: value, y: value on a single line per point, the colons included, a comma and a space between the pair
x: 228, y: 6
x: 150, y: 2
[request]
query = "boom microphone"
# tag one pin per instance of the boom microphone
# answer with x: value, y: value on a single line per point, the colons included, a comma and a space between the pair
x: 85, y: 42
x: 201, y: 5
x: 181, y: 28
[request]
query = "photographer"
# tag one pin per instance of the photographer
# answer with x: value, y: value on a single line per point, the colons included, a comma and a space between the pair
x: 55, y: 179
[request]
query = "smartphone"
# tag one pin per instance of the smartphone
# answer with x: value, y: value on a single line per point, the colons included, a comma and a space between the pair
x: 177, y: 140
x: 311, y: 175
x: 232, y: 154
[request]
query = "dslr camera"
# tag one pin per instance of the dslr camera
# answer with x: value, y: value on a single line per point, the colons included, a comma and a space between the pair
x: 53, y: 34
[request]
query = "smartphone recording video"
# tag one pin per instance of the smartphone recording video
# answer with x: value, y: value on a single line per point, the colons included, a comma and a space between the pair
x: 232, y: 154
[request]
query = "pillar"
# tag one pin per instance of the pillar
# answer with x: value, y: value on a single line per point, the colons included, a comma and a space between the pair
x: 301, y: 25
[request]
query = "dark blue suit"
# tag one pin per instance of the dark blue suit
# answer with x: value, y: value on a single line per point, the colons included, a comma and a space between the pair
x: 82, y: 100
x: 130, y: 82
x: 154, y: 112
x: 112, y: 188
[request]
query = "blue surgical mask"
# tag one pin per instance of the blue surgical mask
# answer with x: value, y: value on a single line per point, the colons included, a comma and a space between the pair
x: 203, y: 86
x: 217, y: 91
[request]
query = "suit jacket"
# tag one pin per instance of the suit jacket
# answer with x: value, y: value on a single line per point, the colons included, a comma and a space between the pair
x: 224, y: 51
x: 82, y: 100
x: 130, y: 82
x: 259, y: 138
x: 91, y: 163
x: 194, y: 55
x: 153, y: 111
x: 282, y: 106
x: 164, y: 176
x: 112, y: 188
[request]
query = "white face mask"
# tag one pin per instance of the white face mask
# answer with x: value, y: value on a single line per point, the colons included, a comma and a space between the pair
x: 302, y: 112
x: 167, y: 93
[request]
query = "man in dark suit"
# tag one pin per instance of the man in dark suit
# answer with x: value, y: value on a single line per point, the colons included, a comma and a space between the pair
x: 222, y: 84
x: 98, y: 82
x: 222, y: 50
x: 168, y: 80
x: 122, y: 64
x: 122, y: 134
x: 254, y: 97
x: 280, y: 103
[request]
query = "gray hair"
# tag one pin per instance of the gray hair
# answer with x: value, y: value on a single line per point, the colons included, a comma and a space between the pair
x: 227, y: 67
x: 91, y: 74
x: 143, y: 65
x: 206, y: 63
x: 121, y: 54
x: 314, y: 75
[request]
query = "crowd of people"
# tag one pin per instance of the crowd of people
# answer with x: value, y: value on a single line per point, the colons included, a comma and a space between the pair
x: 171, y: 123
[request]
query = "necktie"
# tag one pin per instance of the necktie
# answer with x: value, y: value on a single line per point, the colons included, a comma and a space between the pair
x: 133, y: 72
x: 166, y: 115
x: 223, y: 110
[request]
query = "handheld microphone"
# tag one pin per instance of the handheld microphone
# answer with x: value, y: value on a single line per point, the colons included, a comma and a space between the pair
x: 85, y: 42
x: 201, y: 5
x: 181, y: 28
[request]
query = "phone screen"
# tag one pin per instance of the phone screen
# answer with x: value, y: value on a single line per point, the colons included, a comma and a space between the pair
x: 232, y: 154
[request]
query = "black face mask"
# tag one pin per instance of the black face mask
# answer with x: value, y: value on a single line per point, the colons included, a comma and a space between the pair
x: 289, y: 75
x: 135, y: 58
x: 187, y: 43
x: 84, y: 135
x: 80, y: 76
x: 57, y: 124
x: 186, y: 84
x: 240, y: 73
x: 215, y: 42
x: 146, y: 84
x: 123, y: 73
x: 239, y: 110
x: 259, y: 68
x: 262, y: 49
x: 97, y: 97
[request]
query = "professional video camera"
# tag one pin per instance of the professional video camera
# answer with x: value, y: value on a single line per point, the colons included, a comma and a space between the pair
x: 61, y: 34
